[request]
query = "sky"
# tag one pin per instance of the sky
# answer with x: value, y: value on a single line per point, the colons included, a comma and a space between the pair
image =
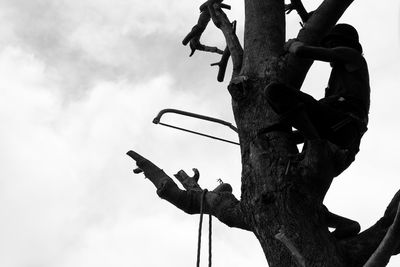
x: 81, y: 81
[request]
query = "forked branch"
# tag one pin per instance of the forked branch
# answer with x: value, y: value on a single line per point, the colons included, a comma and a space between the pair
x: 229, y: 30
x: 194, y: 35
x: 220, y: 202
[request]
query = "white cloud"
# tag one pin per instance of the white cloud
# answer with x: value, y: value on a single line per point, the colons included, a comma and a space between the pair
x: 67, y: 184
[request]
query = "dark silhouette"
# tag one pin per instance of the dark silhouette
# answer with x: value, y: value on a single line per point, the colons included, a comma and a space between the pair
x: 342, y: 115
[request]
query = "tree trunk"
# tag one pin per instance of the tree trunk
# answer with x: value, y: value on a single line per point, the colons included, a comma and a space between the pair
x: 280, y: 199
x: 281, y: 195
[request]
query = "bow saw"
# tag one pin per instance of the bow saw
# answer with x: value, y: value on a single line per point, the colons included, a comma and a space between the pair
x: 157, y: 120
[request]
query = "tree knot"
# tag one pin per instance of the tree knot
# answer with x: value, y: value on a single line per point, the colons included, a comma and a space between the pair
x: 238, y: 87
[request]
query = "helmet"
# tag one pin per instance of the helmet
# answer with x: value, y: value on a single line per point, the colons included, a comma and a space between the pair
x: 346, y: 33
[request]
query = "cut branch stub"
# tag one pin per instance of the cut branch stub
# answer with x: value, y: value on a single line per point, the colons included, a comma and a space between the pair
x: 238, y: 87
x: 222, y: 64
x: 221, y: 204
x: 189, y: 183
x: 224, y: 187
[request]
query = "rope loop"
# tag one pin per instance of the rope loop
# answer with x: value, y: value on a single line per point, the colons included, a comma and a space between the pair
x: 203, y: 195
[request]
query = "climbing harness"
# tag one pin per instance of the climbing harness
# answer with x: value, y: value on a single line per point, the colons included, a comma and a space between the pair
x: 157, y: 120
x: 203, y: 194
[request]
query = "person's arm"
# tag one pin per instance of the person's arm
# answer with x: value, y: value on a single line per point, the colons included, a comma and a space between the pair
x: 341, y: 54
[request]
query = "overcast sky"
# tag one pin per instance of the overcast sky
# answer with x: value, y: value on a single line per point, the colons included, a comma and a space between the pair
x: 80, y: 82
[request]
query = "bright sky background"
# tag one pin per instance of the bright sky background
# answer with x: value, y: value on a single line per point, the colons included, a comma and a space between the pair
x: 80, y: 82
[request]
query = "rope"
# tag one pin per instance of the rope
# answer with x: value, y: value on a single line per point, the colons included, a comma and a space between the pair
x: 200, y: 229
x: 209, y: 239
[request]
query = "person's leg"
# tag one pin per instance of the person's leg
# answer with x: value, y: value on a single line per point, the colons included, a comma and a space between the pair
x: 332, y: 123
x: 314, y: 119
x: 291, y: 105
x: 281, y: 98
x: 346, y: 133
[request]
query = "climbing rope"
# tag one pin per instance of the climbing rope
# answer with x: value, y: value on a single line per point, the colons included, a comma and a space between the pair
x: 200, y: 230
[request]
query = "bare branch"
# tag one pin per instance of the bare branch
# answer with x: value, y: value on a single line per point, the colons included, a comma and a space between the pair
x: 381, y: 239
x: 199, y: 28
x: 220, y: 203
x: 299, y: 7
x: 322, y: 20
x: 196, y: 45
x: 229, y: 30
x: 224, y: 59
x: 389, y: 243
x: 222, y: 64
x: 195, y: 34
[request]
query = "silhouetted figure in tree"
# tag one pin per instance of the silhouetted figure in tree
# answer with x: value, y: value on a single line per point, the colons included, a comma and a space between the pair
x: 341, y: 116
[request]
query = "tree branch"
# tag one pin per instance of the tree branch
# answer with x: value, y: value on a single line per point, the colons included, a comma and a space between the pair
x: 220, y: 202
x: 389, y: 243
x: 222, y: 64
x: 322, y: 20
x: 229, y: 30
x: 317, y: 26
x: 380, y: 240
x: 299, y: 7
x: 195, y: 34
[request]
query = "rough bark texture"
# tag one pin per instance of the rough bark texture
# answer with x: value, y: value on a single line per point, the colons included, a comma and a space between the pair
x: 282, y: 190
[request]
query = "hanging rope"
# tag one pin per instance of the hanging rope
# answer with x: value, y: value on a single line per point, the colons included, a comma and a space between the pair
x: 209, y: 239
x: 200, y: 229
